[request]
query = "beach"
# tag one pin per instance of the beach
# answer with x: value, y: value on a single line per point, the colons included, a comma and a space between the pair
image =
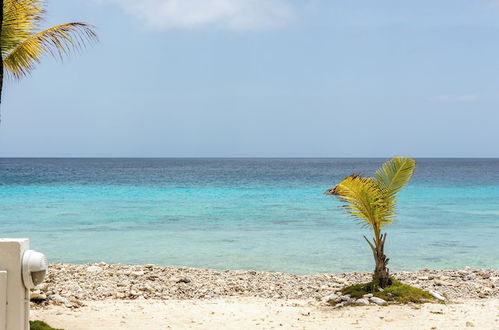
x: 110, y: 296
x: 264, y: 313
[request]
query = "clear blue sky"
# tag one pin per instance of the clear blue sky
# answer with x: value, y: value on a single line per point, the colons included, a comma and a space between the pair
x: 270, y: 78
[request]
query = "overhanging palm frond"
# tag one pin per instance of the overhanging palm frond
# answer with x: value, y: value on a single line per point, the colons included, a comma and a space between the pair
x: 20, y: 21
x: 395, y: 173
x: 57, y: 40
x: 365, y: 199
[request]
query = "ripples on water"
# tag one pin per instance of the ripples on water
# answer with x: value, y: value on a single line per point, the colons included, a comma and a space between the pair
x: 267, y: 214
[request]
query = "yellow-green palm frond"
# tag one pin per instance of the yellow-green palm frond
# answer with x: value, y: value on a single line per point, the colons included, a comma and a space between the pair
x: 395, y: 173
x: 20, y: 21
x: 365, y: 199
x: 57, y: 40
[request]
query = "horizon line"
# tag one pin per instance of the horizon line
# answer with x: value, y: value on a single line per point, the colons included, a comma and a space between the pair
x: 235, y: 157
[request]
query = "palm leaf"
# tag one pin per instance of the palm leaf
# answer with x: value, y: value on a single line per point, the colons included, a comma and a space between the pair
x: 365, y: 200
x: 20, y: 21
x: 57, y: 40
x: 395, y: 173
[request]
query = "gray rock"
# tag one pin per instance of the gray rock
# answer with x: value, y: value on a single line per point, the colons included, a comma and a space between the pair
x: 368, y: 295
x: 362, y: 302
x: 377, y: 301
x: 330, y: 299
x: 345, y: 297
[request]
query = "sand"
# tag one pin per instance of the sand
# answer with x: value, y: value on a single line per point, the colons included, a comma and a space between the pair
x: 141, y: 297
x: 265, y: 313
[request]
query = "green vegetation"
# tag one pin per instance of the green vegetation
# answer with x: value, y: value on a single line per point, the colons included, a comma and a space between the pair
x: 397, y: 292
x: 39, y: 325
x: 372, y: 200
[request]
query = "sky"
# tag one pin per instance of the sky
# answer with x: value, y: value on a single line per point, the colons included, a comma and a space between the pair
x: 264, y: 78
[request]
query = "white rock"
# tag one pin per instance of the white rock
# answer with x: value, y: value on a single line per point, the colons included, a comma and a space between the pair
x: 38, y: 295
x: 331, y: 299
x: 362, y: 301
x: 436, y: 295
x: 377, y: 301
x: 59, y: 300
x: 368, y: 295
x: 120, y: 295
x: 75, y: 287
x: 137, y: 274
x: 93, y: 269
x: 345, y: 297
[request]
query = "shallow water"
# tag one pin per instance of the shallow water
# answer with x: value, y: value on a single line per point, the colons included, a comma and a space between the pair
x: 265, y: 214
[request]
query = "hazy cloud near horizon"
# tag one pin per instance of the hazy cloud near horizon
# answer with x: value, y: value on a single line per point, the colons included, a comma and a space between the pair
x: 227, y: 14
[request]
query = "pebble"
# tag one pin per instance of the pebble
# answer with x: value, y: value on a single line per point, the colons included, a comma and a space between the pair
x: 330, y: 299
x: 66, y: 282
x: 93, y: 269
x: 378, y: 301
x: 362, y: 302
x: 56, y: 298
x: 436, y: 295
x: 442, y: 283
x: 137, y: 274
x: 38, y: 295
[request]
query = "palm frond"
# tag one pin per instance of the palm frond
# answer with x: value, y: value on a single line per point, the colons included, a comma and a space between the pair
x: 20, y: 21
x: 395, y: 173
x: 57, y: 41
x: 365, y: 199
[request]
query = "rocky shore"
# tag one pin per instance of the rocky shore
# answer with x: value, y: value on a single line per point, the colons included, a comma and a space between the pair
x: 73, y: 285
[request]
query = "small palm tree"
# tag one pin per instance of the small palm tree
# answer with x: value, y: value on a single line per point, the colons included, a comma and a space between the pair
x: 372, y: 200
x: 22, y: 43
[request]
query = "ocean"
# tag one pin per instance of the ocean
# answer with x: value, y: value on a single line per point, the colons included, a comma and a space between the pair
x: 261, y: 214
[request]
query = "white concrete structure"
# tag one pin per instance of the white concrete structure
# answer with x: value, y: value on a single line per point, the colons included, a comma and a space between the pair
x: 20, y: 270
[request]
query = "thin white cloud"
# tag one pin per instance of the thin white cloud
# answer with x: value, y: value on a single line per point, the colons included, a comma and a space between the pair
x: 458, y: 97
x: 227, y: 14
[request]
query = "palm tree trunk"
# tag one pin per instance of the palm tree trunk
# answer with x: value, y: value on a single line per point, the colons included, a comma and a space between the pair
x: 381, y: 275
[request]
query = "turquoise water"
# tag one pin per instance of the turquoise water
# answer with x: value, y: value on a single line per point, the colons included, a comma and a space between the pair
x: 265, y: 214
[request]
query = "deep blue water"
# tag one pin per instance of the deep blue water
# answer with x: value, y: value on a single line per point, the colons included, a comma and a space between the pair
x: 266, y: 214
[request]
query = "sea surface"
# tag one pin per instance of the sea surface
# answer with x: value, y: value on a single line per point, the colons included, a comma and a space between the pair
x: 263, y: 214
